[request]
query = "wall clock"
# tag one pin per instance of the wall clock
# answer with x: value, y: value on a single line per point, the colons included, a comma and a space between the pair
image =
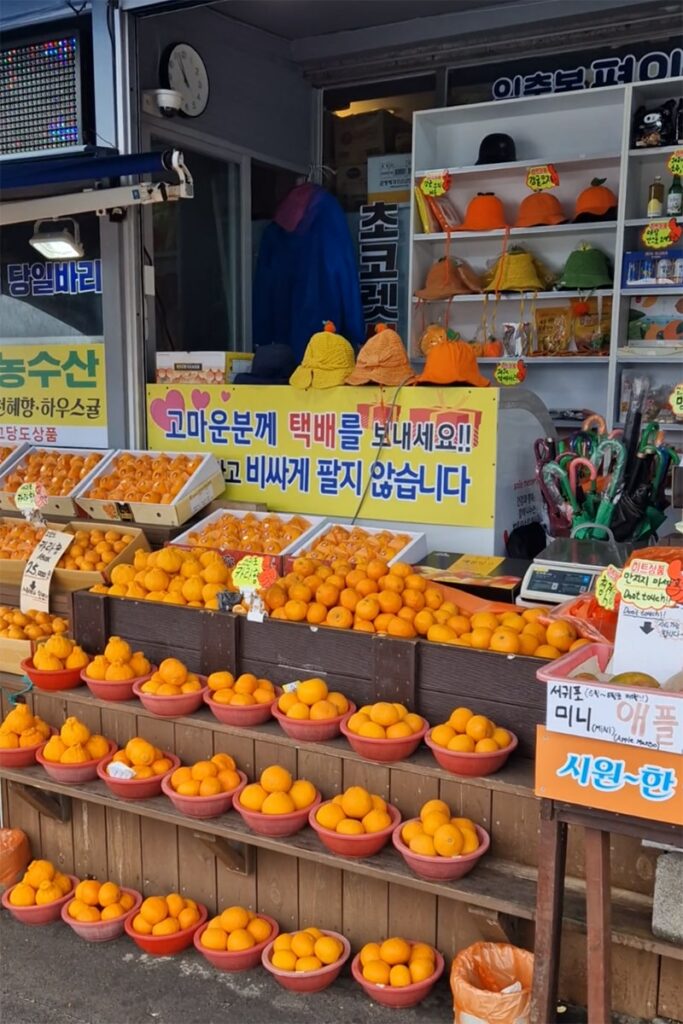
x: 185, y: 71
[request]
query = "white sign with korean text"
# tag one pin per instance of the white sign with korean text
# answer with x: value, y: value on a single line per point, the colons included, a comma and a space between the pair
x: 638, y: 717
x: 649, y: 641
x: 35, y: 583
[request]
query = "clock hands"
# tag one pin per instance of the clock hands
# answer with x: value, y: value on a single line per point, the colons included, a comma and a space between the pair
x: 182, y: 68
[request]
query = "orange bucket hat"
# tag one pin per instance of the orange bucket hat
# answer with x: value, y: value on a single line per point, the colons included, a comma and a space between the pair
x: 484, y: 213
x: 452, y: 362
x: 382, y: 360
x: 597, y: 202
x: 540, y: 208
x: 448, y: 277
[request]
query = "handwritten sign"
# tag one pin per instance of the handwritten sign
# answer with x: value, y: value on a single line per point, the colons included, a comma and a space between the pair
x: 649, y: 641
x: 609, y: 776
x: 643, y: 584
x: 660, y: 234
x: 480, y: 565
x: 510, y: 374
x: 436, y: 184
x: 676, y: 401
x: 542, y: 177
x: 675, y: 162
x: 35, y: 583
x: 245, y: 575
x: 30, y: 497
x: 638, y: 716
x: 606, y: 587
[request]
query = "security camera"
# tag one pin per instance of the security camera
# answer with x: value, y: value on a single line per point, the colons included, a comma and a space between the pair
x: 161, y: 101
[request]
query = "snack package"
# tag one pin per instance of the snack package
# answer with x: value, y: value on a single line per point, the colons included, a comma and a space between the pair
x: 590, y: 325
x: 552, y: 330
x: 656, y: 127
x: 517, y: 339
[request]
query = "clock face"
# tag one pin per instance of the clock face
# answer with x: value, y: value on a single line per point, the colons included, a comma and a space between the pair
x: 187, y: 74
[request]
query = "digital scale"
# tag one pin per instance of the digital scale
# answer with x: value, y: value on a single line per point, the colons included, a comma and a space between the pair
x: 568, y: 568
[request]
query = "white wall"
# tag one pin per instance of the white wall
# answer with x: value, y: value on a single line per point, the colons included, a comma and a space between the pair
x: 259, y: 100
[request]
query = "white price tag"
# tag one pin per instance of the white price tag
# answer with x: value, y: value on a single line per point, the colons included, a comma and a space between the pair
x: 35, y: 583
x: 291, y: 687
x: 119, y: 770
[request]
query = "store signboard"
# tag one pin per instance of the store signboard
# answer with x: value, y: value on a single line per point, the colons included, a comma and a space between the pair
x: 378, y: 238
x: 638, y: 717
x: 430, y: 457
x: 603, y: 71
x: 609, y: 776
x: 53, y: 393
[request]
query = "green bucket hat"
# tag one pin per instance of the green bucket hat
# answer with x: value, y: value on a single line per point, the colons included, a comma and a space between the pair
x: 586, y: 268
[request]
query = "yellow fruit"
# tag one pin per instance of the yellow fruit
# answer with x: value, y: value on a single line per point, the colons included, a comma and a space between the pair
x: 311, y: 690
x: 410, y: 830
x: 356, y: 802
x: 377, y: 972
x: 59, y: 646
x: 233, y: 918
x: 112, y: 911
x: 188, y: 916
x: 30, y: 738
x: 278, y: 803
x: 384, y: 714
x: 356, y: 720
x: 395, y: 951
x: 224, y: 761
x: 462, y: 743
x: 118, y: 650
x: 328, y: 949
x: 302, y: 793
x: 140, y: 752
x: 63, y: 881
x: 307, y: 963
x: 486, y: 746
x: 283, y: 959
x: 479, y: 727
x: 420, y: 969
x: 46, y: 662
x: 88, y: 892
x: 350, y: 827
x: 141, y: 925
x: 118, y: 672
x: 168, y: 926
x: 74, y: 908
x: 399, y: 976
x: 303, y: 944
x: 423, y: 844
x: 339, y: 701
x: 97, y: 746
x: 153, y: 909
x: 502, y: 738
x: 126, y: 901
x: 253, y: 796
x: 371, y: 730
x: 276, y: 779
x: 214, y: 938
x: 323, y: 709
x: 283, y: 942
x: 109, y: 893
x: 204, y: 770
x: 471, y: 841
x: 459, y: 718
x: 77, y: 659
x: 88, y: 915
x: 329, y: 815
x: 18, y: 719
x: 448, y: 840
x: 240, y: 939
x: 39, y: 871
x: 53, y: 749
x: 22, y: 895
x: 369, y: 952
x: 9, y: 741
x: 73, y: 732
x: 375, y: 821
x: 173, y: 671
x: 416, y: 722
x: 77, y: 754
x: 434, y: 820
x: 259, y: 929
x: 443, y: 734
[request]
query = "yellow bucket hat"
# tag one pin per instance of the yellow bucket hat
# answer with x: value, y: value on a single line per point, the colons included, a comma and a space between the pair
x: 516, y: 271
x: 328, y: 361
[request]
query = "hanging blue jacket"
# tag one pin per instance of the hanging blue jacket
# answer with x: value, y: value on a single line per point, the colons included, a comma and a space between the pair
x: 306, y: 273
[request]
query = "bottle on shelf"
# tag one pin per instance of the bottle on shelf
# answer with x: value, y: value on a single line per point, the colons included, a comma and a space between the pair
x: 655, y: 198
x: 674, y: 198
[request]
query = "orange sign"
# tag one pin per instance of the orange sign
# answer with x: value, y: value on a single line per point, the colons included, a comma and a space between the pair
x: 609, y: 776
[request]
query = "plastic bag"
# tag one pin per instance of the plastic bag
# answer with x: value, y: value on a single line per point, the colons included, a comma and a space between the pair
x: 491, y: 984
x: 15, y: 855
x: 589, y: 619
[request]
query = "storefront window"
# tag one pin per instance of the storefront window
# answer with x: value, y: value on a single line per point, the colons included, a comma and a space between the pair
x: 197, y: 262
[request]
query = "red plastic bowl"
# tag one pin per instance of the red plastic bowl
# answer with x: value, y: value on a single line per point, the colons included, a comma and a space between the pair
x: 116, y: 690
x: 314, y: 731
x: 308, y: 981
x: 165, y: 945
x: 85, y: 772
x: 135, y: 789
x: 402, y: 998
x: 275, y: 824
x: 355, y: 846
x: 461, y: 763
x: 101, y: 931
x: 21, y: 757
x: 384, y: 750
x: 445, y: 869
x: 43, y: 914
x: 168, y: 707
x: 245, y: 959
x: 241, y: 714
x: 202, y: 806
x: 61, y: 679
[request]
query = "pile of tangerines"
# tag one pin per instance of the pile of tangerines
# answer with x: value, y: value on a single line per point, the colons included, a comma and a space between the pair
x: 18, y: 539
x: 30, y: 625
x: 142, y: 757
x: 153, y: 478
x: 93, y: 550
x: 99, y: 901
x: 117, y: 663
x: 271, y: 534
x: 41, y: 883
x: 165, y: 915
x: 58, y: 471
x: 171, y: 575
x: 375, y: 597
x: 75, y: 744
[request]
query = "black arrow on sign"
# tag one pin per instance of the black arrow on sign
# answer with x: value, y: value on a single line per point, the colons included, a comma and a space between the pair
x: 646, y: 628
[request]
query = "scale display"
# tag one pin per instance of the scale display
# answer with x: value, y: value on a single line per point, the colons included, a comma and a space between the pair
x: 40, y: 97
x: 565, y: 582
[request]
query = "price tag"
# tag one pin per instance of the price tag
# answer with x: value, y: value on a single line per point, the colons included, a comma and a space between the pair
x: 675, y: 162
x: 676, y: 401
x: 118, y: 770
x: 30, y: 497
x: 480, y: 565
x: 291, y: 687
x: 542, y: 177
x: 660, y: 234
x: 510, y: 374
x: 644, y: 584
x: 35, y: 583
x: 436, y: 184
x: 245, y: 575
x: 606, y: 587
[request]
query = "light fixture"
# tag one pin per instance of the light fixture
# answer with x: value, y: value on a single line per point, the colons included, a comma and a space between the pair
x: 58, y: 243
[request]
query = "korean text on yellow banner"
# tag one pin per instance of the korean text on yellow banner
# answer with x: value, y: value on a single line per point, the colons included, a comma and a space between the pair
x: 426, y: 456
x: 53, y: 393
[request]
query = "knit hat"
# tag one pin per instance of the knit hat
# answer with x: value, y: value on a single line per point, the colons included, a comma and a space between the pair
x: 516, y: 271
x: 448, y: 277
x: 452, y: 362
x: 497, y: 148
x: 597, y: 202
x: 540, y: 208
x: 586, y: 268
x: 327, y: 361
x: 484, y: 213
x: 382, y: 360
x: 272, y: 364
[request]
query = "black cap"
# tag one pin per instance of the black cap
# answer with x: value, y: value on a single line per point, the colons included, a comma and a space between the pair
x: 272, y: 364
x: 497, y: 148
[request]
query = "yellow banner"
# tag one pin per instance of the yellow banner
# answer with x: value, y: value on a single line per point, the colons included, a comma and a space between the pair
x: 53, y: 393
x: 428, y: 458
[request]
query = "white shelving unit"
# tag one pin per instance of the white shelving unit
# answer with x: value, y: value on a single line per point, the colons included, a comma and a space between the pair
x: 546, y: 129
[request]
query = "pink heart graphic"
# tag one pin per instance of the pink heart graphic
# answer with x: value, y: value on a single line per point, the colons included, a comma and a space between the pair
x: 159, y: 408
x: 226, y: 396
x: 200, y: 399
